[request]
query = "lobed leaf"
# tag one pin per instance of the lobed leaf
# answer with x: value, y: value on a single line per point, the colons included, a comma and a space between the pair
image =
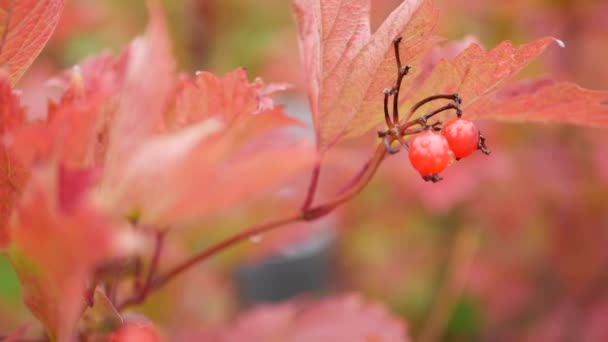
x: 475, y: 72
x: 348, y: 67
x: 25, y: 27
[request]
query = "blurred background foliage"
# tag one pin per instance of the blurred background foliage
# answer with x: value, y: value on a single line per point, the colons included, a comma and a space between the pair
x: 511, y: 247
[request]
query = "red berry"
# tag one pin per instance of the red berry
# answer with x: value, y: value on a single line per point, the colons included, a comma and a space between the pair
x: 429, y: 154
x: 135, y: 332
x: 462, y: 136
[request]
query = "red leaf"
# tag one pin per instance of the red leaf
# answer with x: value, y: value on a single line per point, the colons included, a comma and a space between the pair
x: 346, y: 318
x: 25, y: 27
x: 347, y: 67
x: 545, y: 101
x: 55, y: 251
x: 71, y: 134
x: 12, y: 172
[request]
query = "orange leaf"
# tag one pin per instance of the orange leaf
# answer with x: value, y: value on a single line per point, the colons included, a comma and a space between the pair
x: 545, y: 101
x: 57, y: 240
x: 228, y: 98
x: 348, y: 67
x: 25, y: 27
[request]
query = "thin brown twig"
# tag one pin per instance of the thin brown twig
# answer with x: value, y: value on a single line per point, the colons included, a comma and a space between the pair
x: 416, y: 106
x: 357, y: 185
x: 202, y: 256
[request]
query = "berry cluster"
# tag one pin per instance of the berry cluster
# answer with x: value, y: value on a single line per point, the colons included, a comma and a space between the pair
x: 434, y: 145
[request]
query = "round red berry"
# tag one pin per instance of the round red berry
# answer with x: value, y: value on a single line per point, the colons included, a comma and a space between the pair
x: 429, y: 153
x: 136, y: 331
x: 462, y: 136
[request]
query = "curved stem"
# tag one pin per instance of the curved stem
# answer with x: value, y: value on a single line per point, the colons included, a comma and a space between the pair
x: 312, y: 187
x: 202, y: 256
x: 424, y: 101
x: 358, y: 183
x: 423, y: 119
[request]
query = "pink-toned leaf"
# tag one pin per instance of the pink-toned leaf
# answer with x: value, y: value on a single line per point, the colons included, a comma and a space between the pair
x: 344, y: 318
x: 545, y: 101
x: 25, y: 27
x: 146, y: 90
x: 204, y: 168
x: 348, y: 67
x: 214, y: 152
x: 101, y: 75
x: 55, y: 251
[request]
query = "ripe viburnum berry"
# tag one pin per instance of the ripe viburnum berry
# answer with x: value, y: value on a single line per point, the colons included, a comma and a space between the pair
x: 135, y: 331
x: 462, y: 136
x: 429, y: 153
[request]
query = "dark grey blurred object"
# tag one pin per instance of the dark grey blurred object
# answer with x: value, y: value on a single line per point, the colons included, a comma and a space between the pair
x: 303, y: 269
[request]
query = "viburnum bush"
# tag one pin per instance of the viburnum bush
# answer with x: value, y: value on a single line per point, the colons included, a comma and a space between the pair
x: 133, y: 151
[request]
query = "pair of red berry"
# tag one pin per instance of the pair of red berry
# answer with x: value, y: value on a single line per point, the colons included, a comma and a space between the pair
x: 431, y: 152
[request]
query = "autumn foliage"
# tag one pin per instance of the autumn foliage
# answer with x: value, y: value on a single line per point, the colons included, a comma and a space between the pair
x: 134, y: 151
